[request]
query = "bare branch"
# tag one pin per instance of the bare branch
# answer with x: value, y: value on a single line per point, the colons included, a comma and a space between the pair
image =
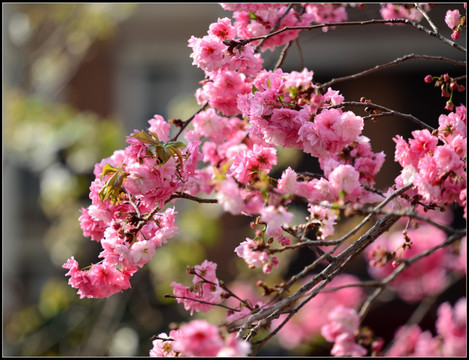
x: 404, y: 265
x: 283, y: 54
x: 356, y: 23
x: 425, y: 15
x: 193, y: 198
x: 188, y: 121
x: 390, y: 64
x: 387, y: 110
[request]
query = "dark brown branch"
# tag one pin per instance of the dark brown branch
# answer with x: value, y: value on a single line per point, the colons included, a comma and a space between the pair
x: 335, y: 267
x: 425, y: 15
x: 200, y: 301
x: 341, y: 261
x: 389, y: 111
x: 356, y: 23
x: 282, y: 56
x: 276, y: 26
x: 390, y: 64
x: 188, y: 121
x: 193, y: 198
x: 404, y: 265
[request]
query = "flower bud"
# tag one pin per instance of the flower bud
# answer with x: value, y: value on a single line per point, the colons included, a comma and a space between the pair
x: 428, y: 79
x: 456, y: 35
x: 449, y: 105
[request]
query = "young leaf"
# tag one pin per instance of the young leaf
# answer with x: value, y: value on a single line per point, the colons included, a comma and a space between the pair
x: 144, y: 137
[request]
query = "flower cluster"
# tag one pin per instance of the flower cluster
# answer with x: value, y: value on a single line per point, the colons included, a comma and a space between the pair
x: 342, y: 329
x: 130, y: 189
x: 450, y: 340
x: 426, y: 277
x: 198, y: 338
x: 248, y: 115
x: 259, y: 19
x: 315, y: 314
x: 205, y: 291
x: 403, y: 11
x: 436, y: 163
x: 455, y: 22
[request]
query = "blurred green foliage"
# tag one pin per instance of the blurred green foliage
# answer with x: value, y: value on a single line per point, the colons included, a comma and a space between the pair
x: 58, y: 146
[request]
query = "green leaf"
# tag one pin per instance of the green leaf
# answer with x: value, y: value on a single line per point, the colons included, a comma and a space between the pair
x: 163, y: 154
x: 175, y: 144
x: 108, y: 169
x: 145, y: 138
x: 176, y: 152
x: 155, y: 136
x: 112, y: 187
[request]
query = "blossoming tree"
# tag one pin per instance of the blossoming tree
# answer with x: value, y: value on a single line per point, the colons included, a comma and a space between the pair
x: 248, y: 114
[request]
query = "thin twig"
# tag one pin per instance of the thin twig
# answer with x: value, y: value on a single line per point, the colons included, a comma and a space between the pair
x: 404, y: 265
x: 389, y: 111
x: 282, y: 56
x: 201, y: 301
x: 390, y: 64
x: 193, y: 198
x: 300, y: 54
x: 357, y: 23
x: 425, y: 15
x: 188, y: 121
x: 342, y: 259
x: 276, y: 26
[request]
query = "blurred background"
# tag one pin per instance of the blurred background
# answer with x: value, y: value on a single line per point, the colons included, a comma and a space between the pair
x: 78, y: 78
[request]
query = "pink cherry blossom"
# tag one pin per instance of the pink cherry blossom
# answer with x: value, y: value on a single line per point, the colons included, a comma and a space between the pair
x: 341, y: 320
x: 208, y: 52
x: 287, y: 184
x: 162, y: 346
x: 254, y: 254
x: 407, y: 11
x: 198, y: 338
x: 248, y: 163
x: 314, y: 315
x: 344, y: 181
x: 426, y: 277
x: 205, y: 292
x: 222, y: 29
x: 160, y: 127
x: 234, y: 347
x: 229, y: 196
x: 333, y: 96
x: 452, y: 18
x: 412, y: 341
x: 275, y: 217
x: 324, y: 218
x: 100, y: 281
x: 451, y: 326
x: 324, y: 13
x: 346, y: 345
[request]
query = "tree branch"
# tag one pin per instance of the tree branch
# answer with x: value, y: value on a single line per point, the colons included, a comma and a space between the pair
x: 387, y: 110
x: 193, y: 198
x: 188, y: 121
x: 397, y: 61
x: 355, y: 23
x: 404, y: 265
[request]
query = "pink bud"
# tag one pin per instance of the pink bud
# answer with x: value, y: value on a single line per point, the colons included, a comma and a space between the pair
x: 449, y: 105
x: 428, y: 79
x: 455, y: 35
